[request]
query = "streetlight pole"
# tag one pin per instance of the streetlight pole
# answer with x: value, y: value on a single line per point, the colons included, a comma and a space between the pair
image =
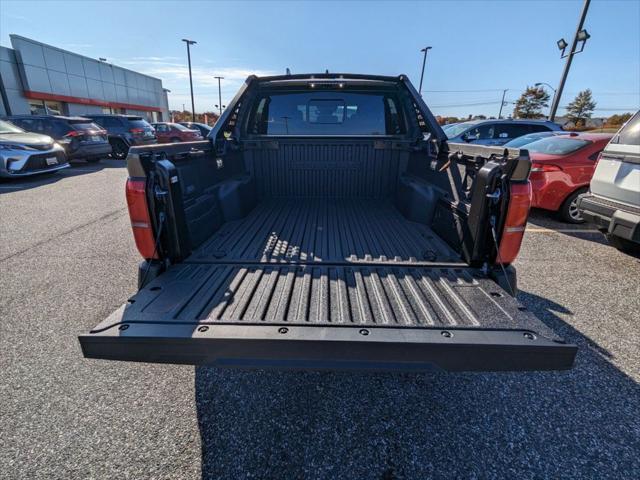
x: 424, y: 62
x: 504, y: 92
x: 554, y: 92
x: 219, y: 95
x: 572, y: 52
x: 193, y: 107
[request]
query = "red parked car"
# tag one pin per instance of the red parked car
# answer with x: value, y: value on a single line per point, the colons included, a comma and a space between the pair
x: 562, y: 167
x: 174, y: 133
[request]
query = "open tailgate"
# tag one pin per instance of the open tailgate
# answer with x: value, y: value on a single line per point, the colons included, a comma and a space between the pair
x: 362, y: 316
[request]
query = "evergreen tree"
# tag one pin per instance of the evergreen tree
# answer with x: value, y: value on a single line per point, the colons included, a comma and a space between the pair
x: 531, y: 103
x: 581, y: 108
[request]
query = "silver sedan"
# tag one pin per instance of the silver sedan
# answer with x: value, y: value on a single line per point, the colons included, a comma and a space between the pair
x: 23, y: 153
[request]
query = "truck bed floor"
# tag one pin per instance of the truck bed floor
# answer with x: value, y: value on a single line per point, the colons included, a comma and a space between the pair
x: 331, y: 262
x: 304, y: 230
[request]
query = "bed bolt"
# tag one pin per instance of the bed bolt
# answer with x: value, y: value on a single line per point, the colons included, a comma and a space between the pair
x: 529, y: 336
x: 283, y: 330
x: 446, y: 334
x: 203, y: 328
x: 364, y: 331
x: 123, y: 327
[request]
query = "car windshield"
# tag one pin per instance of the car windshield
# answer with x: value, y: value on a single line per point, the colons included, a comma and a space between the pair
x: 556, y: 145
x: 457, y: 129
x: 6, y: 127
x: 526, y: 139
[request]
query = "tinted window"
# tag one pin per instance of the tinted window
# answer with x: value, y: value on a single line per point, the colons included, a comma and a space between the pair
x: 182, y: 128
x: 630, y: 133
x: 482, y: 132
x: 510, y: 130
x: 556, y: 145
x: 455, y: 129
x: 139, y: 123
x: 56, y: 128
x: 538, y: 128
x: 34, y: 125
x: 85, y: 126
x: 326, y: 113
x: 108, y: 122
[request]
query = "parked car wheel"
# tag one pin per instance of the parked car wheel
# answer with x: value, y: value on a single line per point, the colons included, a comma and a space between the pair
x: 120, y: 149
x: 175, y: 140
x: 569, y: 211
x: 622, y: 244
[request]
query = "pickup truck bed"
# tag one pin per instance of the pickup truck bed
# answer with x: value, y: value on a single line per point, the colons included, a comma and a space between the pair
x: 325, y: 230
x: 341, y: 269
x: 328, y: 225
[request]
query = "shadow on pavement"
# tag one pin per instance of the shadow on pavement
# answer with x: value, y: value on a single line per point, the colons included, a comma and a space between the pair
x: 8, y: 185
x: 581, y: 423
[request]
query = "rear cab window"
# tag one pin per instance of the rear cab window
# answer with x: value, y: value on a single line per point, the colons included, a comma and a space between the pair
x: 326, y: 113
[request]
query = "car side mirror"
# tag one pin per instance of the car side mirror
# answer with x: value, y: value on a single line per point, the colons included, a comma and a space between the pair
x: 468, y: 137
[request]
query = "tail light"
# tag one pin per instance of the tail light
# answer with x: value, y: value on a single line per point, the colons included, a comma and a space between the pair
x: 137, y: 131
x: 544, y: 167
x: 140, y: 219
x: 515, y: 222
x: 73, y: 133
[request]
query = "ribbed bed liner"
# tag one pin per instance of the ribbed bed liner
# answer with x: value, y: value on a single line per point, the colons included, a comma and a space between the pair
x: 330, y: 262
x: 304, y: 230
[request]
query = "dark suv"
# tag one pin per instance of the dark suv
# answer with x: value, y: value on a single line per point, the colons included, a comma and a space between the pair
x: 79, y: 136
x: 125, y: 131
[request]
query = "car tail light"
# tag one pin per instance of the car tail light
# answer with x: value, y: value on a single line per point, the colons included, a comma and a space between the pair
x: 73, y: 133
x: 544, y: 167
x: 140, y: 219
x: 515, y: 222
x: 137, y: 131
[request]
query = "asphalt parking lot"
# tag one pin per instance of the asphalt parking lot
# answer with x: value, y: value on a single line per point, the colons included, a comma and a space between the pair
x: 67, y: 259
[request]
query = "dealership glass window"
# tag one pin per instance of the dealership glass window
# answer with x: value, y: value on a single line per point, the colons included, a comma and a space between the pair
x: 36, y: 107
x: 41, y: 107
x: 54, y: 108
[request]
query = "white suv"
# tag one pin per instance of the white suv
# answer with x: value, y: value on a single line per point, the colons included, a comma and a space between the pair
x: 613, y: 201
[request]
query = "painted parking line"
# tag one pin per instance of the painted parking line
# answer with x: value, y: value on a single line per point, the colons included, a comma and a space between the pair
x: 562, y: 230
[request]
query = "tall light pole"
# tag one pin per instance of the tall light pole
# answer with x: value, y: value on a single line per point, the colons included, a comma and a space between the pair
x: 554, y: 92
x: 424, y: 62
x: 193, y: 106
x: 580, y: 36
x: 504, y: 92
x: 219, y: 95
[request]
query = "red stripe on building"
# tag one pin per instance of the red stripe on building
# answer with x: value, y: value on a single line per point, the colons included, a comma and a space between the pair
x: 88, y: 101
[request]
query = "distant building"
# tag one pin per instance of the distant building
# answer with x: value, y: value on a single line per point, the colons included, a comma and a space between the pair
x: 36, y: 78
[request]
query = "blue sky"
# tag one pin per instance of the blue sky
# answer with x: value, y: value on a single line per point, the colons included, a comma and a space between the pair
x: 479, y: 48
